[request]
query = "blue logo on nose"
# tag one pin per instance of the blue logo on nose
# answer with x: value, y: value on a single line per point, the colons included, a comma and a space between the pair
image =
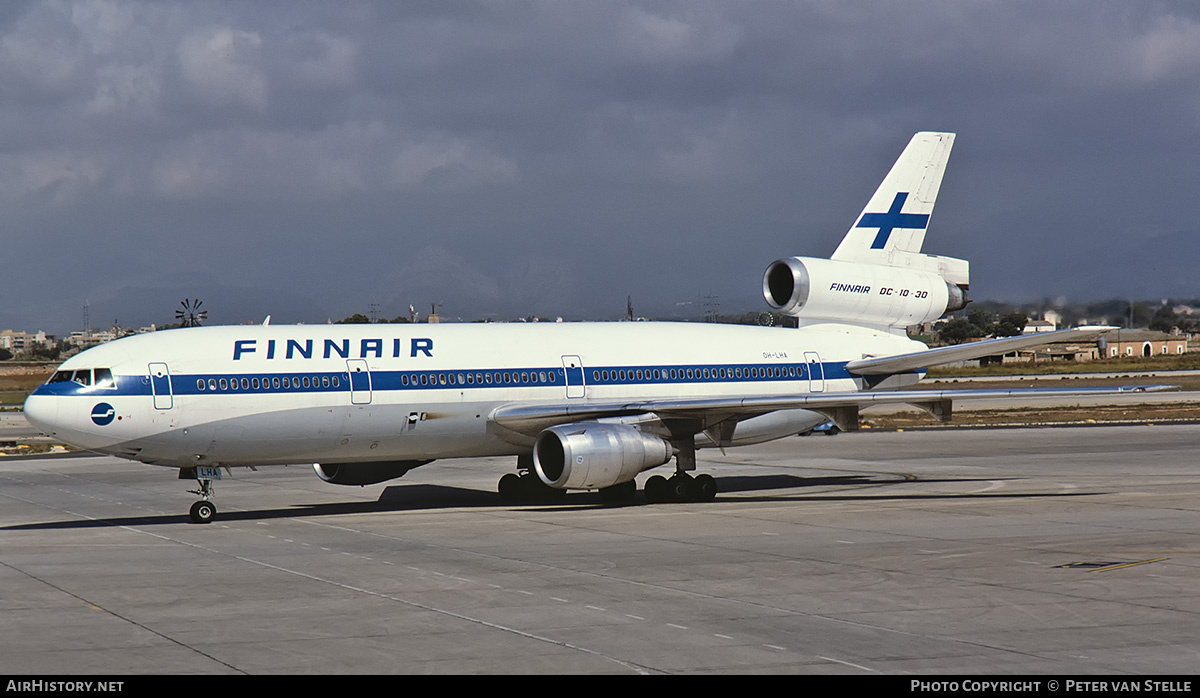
x: 103, y: 414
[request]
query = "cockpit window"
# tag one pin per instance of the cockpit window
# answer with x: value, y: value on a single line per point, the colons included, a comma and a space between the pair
x: 104, y: 378
x: 98, y: 378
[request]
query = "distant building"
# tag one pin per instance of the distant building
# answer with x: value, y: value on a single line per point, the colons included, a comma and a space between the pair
x: 1143, y: 343
x: 84, y: 340
x: 24, y: 341
x: 1038, y: 326
x: 1111, y: 345
x: 1059, y: 351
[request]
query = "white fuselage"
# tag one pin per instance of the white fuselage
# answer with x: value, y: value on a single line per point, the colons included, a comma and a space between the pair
x: 262, y: 395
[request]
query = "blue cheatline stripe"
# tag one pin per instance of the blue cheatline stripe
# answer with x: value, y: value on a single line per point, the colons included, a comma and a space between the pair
x: 384, y: 381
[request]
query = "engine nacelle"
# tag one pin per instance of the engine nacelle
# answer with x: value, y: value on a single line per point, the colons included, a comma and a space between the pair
x: 368, y: 473
x: 592, y: 455
x: 872, y: 294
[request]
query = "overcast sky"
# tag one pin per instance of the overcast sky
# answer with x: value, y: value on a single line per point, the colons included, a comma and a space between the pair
x: 310, y: 159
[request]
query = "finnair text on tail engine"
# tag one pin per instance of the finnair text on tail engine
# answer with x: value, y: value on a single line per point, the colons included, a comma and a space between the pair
x: 578, y: 405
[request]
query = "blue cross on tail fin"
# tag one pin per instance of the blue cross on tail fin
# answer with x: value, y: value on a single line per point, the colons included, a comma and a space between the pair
x: 895, y: 218
x: 892, y: 219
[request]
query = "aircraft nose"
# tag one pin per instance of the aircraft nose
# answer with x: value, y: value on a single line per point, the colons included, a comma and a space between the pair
x: 42, y: 412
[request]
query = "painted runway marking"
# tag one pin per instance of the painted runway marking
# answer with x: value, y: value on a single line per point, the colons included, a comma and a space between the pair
x: 856, y: 666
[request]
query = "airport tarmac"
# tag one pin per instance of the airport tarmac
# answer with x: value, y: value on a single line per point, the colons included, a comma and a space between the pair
x: 1002, y: 551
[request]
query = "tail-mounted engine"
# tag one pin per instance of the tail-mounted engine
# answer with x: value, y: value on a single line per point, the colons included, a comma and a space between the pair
x: 593, y: 455
x: 869, y: 294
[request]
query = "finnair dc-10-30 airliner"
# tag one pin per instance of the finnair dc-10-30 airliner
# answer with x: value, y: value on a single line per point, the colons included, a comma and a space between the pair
x: 580, y: 405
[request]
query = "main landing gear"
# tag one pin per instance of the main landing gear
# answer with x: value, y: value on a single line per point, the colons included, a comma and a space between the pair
x: 680, y: 487
x: 204, y: 510
x: 525, y: 487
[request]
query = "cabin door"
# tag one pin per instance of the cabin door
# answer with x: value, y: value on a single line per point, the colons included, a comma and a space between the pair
x: 573, y: 368
x: 160, y: 385
x: 816, y: 372
x: 360, y: 382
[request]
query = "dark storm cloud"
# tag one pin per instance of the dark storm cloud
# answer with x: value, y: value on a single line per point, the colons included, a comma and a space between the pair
x: 514, y: 158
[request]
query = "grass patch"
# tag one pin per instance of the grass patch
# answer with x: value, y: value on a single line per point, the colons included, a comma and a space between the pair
x: 1094, y: 414
x: 15, y: 388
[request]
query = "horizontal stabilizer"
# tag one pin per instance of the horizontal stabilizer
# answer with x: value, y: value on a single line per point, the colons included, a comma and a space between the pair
x: 903, y: 363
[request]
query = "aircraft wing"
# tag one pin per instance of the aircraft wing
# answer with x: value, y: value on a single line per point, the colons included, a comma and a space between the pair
x: 706, y: 413
x: 901, y: 363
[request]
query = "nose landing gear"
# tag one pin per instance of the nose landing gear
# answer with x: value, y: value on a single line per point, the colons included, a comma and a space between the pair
x: 204, y: 510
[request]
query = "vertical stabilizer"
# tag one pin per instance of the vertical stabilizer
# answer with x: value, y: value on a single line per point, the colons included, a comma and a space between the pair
x: 895, y: 219
x: 878, y: 277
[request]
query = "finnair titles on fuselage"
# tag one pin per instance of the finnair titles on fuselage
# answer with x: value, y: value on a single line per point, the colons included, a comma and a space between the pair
x: 581, y: 405
x: 303, y: 348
